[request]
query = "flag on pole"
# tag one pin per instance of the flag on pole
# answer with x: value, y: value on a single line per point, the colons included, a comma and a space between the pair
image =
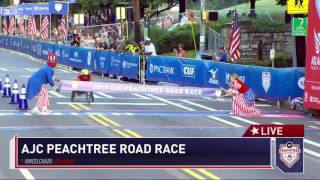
x: 21, y: 25
x: 62, y: 27
x: 12, y: 25
x: 44, y: 29
x: 4, y: 25
x: 234, y: 48
x: 32, y: 28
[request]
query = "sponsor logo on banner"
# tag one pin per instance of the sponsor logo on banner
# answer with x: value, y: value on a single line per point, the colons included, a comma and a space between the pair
x: 315, y: 61
x: 58, y: 52
x: 161, y: 69
x: 75, y: 55
x: 101, y: 62
x: 189, y: 71
x: 58, y: 7
x: 301, y: 82
x: 115, y: 61
x: 39, y: 49
x: 89, y: 58
x: 289, y: 153
x: 124, y: 64
x: 266, y: 81
x: 212, y: 79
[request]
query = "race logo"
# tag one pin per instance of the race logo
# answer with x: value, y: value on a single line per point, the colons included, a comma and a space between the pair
x: 213, y: 77
x: 315, y: 61
x: 75, y: 85
x: 301, y: 82
x: 188, y: 71
x: 289, y: 153
x: 89, y: 58
x: 58, y: 7
x: 266, y: 81
x: 102, y: 61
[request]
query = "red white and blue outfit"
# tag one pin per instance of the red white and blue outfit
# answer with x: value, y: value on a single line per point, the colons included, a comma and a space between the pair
x: 36, y: 83
x: 243, y: 103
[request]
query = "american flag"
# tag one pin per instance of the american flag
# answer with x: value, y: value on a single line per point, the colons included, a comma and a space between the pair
x: 21, y: 25
x: 235, y: 38
x: 63, y: 28
x: 12, y: 24
x: 32, y: 28
x: 5, y: 25
x: 44, y: 29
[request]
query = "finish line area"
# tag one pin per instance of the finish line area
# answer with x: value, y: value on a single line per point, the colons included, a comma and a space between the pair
x: 138, y: 115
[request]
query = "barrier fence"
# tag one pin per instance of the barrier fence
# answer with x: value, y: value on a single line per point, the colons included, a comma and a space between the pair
x: 271, y: 83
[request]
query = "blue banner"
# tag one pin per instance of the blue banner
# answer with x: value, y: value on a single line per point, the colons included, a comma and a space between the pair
x: 272, y: 83
x: 33, y: 9
x: 58, y: 7
x: 98, y: 61
x: 9, y: 11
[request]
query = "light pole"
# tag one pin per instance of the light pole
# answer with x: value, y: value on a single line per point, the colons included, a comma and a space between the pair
x: 202, y: 28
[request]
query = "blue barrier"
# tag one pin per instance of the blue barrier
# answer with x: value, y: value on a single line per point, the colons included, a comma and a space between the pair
x: 271, y: 83
x: 104, y: 62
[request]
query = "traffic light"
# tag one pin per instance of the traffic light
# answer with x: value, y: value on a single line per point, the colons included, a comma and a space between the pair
x: 213, y: 16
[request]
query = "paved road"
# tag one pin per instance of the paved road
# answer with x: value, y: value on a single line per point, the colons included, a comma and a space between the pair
x: 138, y: 115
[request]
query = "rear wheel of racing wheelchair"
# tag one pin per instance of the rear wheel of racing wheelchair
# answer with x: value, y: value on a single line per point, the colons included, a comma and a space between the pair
x: 89, y: 96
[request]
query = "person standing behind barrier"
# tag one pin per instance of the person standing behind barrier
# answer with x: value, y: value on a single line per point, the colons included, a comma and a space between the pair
x: 149, y: 48
x: 36, y: 85
x: 243, y: 98
x: 76, y: 39
x: 222, y: 56
x: 89, y: 42
x: 180, y: 52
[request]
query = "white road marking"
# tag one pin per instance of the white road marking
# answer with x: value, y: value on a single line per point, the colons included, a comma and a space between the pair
x: 263, y: 105
x: 105, y: 95
x: 96, y: 96
x: 65, y: 71
x: 277, y: 123
x: 171, y: 103
x: 4, y: 69
x: 198, y: 105
x: 217, y: 99
x: 30, y: 69
x: 26, y: 173
x: 311, y: 152
x: 244, y: 120
x: 28, y: 76
x: 27, y: 114
x: 114, y: 103
x: 56, y: 94
x: 224, y: 121
x: 74, y: 114
x: 141, y: 96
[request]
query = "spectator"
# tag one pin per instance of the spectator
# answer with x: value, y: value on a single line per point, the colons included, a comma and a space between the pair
x: 55, y: 35
x: 180, y: 52
x: 168, y: 21
x: 184, y: 20
x: 113, y: 44
x: 222, y: 56
x: 76, y: 39
x: 149, y: 48
x: 89, y: 42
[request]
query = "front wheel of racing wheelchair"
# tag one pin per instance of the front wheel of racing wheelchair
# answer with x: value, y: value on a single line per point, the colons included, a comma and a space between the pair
x: 89, y: 96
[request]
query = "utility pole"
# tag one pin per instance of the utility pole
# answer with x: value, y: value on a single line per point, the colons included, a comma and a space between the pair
x: 202, y: 28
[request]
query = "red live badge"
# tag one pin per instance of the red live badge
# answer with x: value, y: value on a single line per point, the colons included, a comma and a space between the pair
x: 268, y: 130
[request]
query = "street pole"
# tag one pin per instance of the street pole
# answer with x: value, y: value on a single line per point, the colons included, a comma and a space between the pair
x: 294, y: 49
x: 202, y: 29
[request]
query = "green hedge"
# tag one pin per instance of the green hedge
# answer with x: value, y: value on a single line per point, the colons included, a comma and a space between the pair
x: 165, y: 40
x: 281, y: 60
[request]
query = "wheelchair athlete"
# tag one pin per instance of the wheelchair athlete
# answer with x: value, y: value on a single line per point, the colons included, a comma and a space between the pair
x: 85, y: 75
